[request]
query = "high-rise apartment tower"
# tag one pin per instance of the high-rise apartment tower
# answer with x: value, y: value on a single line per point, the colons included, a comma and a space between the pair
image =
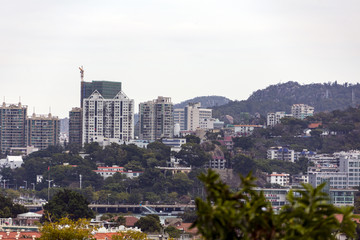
x: 43, y: 131
x: 156, y: 119
x: 107, y: 117
x: 75, y: 126
x: 12, y: 126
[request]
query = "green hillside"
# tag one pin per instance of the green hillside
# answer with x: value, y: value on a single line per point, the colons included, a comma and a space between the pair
x: 280, y: 97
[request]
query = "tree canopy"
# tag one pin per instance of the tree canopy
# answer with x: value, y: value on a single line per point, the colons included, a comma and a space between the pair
x: 66, y: 229
x: 10, y: 209
x: 246, y: 214
x: 67, y: 203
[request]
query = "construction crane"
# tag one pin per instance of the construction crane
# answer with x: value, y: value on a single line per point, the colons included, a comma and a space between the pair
x: 82, y: 73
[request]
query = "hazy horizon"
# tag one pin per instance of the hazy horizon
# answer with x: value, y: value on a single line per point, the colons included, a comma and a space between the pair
x: 179, y: 49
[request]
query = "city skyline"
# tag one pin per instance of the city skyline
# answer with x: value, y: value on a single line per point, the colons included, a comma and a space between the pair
x: 178, y: 49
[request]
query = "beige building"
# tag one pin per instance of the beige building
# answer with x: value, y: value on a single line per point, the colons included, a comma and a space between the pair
x: 156, y: 119
x: 193, y: 117
x: 43, y: 131
x: 301, y: 111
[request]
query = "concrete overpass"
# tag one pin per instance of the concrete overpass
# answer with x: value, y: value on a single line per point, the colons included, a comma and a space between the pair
x: 124, y: 208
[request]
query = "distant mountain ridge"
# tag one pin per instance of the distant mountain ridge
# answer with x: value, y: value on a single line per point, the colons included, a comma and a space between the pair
x: 280, y: 97
x: 206, y: 101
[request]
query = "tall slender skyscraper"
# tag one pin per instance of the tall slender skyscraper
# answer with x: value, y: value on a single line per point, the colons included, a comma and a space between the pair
x: 12, y: 126
x: 75, y: 126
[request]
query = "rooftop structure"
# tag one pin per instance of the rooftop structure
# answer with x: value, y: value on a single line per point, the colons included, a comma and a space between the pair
x: 281, y: 153
x: 107, y: 89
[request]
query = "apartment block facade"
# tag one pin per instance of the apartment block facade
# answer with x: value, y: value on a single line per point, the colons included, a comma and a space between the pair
x: 301, y: 111
x: 193, y: 117
x: 43, y: 131
x: 273, y: 118
x: 107, y: 89
x: 12, y: 126
x: 347, y: 175
x: 108, y: 118
x: 281, y: 153
x: 21, y: 133
x: 156, y: 119
x: 75, y: 126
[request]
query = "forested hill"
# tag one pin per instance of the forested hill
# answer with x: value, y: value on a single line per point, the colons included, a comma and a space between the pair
x: 280, y: 97
x: 206, y: 101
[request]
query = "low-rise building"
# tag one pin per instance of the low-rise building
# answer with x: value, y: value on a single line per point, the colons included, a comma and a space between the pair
x: 274, y: 118
x: 11, y: 162
x: 281, y: 153
x: 106, y: 172
x: 283, y: 179
x: 301, y: 111
x: 174, y: 143
x: 216, y: 162
x: 245, y: 130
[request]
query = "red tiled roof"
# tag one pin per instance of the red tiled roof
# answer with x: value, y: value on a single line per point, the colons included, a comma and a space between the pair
x: 130, y: 221
x: 339, y: 217
x: 314, y: 125
x: 103, y: 236
x: 186, y: 228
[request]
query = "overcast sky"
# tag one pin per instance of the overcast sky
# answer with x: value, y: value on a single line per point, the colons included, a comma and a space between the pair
x: 174, y: 48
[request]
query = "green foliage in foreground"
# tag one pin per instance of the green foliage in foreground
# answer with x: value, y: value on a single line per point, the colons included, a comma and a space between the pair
x: 247, y: 215
x: 66, y: 229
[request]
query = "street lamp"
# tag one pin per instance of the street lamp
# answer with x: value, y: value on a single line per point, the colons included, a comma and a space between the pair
x: 33, y: 184
x: 5, y: 180
x: 108, y: 197
x: 49, y: 181
x: 25, y: 184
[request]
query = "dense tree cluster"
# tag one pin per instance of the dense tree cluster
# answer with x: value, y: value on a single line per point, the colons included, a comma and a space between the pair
x: 9, y: 209
x: 245, y: 214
